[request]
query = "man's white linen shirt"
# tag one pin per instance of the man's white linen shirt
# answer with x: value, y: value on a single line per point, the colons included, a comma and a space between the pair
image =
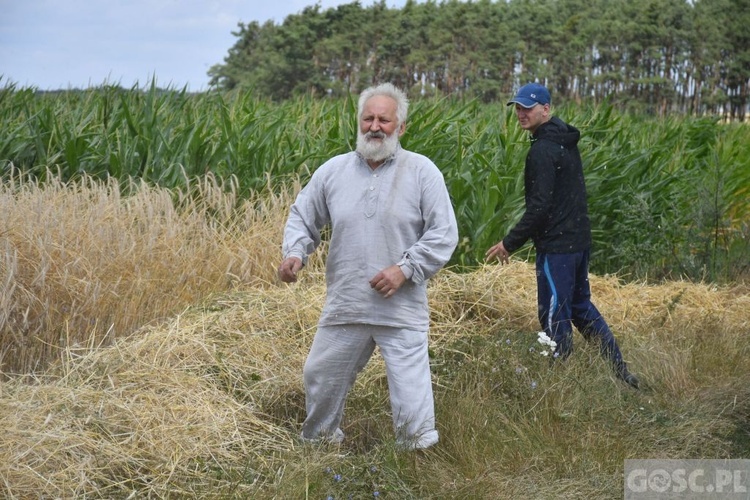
x: 399, y: 213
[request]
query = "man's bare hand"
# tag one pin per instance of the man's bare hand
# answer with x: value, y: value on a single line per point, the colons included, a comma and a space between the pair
x: 388, y: 281
x: 498, y: 252
x: 289, y: 268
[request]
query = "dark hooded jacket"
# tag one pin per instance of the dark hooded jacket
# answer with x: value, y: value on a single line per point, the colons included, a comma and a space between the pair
x: 556, y: 217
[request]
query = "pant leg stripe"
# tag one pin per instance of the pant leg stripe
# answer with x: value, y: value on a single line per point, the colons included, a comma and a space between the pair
x: 553, y: 295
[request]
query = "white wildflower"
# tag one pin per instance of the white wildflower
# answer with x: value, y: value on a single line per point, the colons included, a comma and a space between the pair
x: 546, y: 341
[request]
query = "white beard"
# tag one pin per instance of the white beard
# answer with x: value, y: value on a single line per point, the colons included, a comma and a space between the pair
x: 374, y: 150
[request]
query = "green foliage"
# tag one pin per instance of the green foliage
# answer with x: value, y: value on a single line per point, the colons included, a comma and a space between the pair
x: 653, y: 56
x: 481, y: 152
x: 167, y: 136
x: 665, y: 196
x: 668, y: 197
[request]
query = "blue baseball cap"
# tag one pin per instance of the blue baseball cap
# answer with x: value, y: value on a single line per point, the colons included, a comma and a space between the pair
x: 530, y: 95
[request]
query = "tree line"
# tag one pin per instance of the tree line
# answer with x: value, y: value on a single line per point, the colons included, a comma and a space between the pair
x: 654, y: 56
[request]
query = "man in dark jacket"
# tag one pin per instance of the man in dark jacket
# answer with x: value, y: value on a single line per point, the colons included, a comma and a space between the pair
x: 556, y: 220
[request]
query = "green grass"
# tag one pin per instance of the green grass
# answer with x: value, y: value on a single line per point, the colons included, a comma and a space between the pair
x: 514, y: 426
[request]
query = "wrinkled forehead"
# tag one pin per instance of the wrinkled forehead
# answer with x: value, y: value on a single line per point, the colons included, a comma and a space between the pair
x: 381, y: 105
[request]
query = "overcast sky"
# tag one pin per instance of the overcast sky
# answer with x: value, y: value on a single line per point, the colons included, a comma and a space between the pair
x: 61, y: 44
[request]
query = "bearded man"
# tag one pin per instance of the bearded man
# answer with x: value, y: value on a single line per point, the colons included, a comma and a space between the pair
x: 392, y: 227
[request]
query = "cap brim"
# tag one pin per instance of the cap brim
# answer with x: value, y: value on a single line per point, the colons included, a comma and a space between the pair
x: 526, y: 103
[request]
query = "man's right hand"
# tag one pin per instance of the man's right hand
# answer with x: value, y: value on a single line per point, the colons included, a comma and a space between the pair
x: 289, y: 268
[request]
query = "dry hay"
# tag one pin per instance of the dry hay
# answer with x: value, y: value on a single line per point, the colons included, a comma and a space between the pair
x: 180, y: 408
x: 170, y: 410
x: 490, y: 299
x: 504, y: 297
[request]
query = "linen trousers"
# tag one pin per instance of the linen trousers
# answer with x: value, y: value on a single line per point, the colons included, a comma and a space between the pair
x: 340, y: 352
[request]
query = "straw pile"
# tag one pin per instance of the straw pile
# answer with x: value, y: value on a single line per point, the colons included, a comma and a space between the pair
x: 213, y: 398
x: 507, y: 295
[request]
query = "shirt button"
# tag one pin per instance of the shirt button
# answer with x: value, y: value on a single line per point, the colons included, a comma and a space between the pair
x: 372, y: 188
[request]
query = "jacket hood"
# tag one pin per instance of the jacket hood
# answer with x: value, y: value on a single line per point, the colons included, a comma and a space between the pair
x: 559, y: 132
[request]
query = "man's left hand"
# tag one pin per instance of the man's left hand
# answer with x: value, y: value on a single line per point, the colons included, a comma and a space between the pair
x: 388, y: 281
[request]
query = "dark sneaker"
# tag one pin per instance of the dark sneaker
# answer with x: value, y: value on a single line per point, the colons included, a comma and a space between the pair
x: 628, y: 378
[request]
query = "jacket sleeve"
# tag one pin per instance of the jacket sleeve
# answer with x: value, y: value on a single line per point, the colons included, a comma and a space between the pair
x: 540, y: 187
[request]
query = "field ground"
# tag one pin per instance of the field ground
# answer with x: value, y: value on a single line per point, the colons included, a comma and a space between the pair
x: 208, y: 403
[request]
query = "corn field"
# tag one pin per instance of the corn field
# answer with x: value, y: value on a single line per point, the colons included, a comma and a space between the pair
x: 668, y: 198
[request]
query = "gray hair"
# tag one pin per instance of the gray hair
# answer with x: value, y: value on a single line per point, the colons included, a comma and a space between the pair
x: 388, y: 90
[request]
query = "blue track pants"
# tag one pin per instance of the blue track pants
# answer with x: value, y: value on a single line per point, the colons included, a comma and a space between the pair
x: 564, y: 300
